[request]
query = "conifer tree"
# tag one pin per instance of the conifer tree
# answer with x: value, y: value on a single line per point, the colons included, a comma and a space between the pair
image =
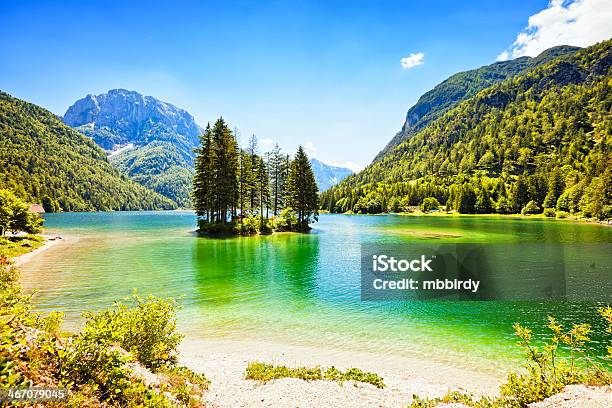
x: 264, y: 190
x: 226, y: 165
x: 302, y: 190
x: 276, y: 166
x: 204, y: 167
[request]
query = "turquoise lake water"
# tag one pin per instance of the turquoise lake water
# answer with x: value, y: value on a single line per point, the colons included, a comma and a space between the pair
x: 305, y: 288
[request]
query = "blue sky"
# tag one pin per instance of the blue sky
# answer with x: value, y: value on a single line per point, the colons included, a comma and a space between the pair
x: 327, y: 75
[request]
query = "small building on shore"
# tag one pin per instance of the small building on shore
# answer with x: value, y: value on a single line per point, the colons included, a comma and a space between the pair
x: 37, y: 208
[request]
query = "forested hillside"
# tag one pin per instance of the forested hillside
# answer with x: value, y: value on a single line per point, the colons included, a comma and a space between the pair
x: 463, y: 85
x: 43, y: 160
x: 152, y: 141
x: 539, y: 140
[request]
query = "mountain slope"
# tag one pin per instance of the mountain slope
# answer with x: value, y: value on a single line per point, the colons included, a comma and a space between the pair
x: 43, y: 160
x: 326, y: 175
x: 541, y: 137
x: 152, y: 140
x: 463, y: 85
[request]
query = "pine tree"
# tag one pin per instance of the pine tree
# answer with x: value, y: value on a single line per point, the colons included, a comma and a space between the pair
x: 277, y: 178
x: 302, y: 190
x: 264, y: 190
x: 204, y: 175
x: 225, y: 178
x: 252, y: 189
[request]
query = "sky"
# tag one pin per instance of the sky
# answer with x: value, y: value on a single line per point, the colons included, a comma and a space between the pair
x: 334, y: 76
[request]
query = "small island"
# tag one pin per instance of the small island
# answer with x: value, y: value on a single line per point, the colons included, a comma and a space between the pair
x: 238, y: 192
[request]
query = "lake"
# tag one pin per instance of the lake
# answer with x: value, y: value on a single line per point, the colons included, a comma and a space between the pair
x: 305, y: 288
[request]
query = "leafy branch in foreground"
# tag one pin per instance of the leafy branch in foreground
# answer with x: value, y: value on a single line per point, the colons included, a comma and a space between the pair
x: 267, y: 372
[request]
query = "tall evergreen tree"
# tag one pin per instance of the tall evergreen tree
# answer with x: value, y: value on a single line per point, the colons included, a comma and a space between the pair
x: 204, y: 175
x: 226, y: 164
x: 277, y: 170
x: 302, y: 190
x: 264, y: 190
x: 252, y: 188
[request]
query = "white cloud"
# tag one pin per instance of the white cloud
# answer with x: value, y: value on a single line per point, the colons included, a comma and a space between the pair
x: 309, y: 146
x: 579, y: 22
x: 412, y: 60
x: 266, y: 141
x: 356, y: 168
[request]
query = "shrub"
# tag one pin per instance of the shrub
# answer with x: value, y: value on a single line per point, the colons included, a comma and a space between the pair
x: 562, y: 214
x: 548, y: 371
x: 531, y: 208
x: 549, y: 212
x: 90, y: 364
x: 354, y: 374
x: 15, y: 215
x: 429, y: 204
x: 146, y: 328
x: 285, y: 221
x: 249, y: 225
x: 267, y: 372
x: 185, y: 384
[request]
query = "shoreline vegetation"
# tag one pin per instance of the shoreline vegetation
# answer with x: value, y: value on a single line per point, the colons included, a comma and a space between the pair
x: 416, y: 212
x: 238, y: 192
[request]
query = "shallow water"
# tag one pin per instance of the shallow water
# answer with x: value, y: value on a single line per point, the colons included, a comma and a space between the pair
x: 305, y: 288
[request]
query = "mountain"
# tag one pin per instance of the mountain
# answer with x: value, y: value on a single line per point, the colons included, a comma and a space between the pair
x: 463, y: 85
x: 326, y: 175
x: 43, y: 160
x: 539, y: 140
x: 147, y: 139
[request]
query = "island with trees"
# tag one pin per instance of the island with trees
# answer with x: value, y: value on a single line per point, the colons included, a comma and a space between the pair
x: 239, y: 192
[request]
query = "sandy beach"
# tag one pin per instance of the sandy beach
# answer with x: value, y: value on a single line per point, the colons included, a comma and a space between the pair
x: 224, y: 361
x: 50, y: 241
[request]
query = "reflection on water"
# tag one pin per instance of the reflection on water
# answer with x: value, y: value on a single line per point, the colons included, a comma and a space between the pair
x: 305, y: 288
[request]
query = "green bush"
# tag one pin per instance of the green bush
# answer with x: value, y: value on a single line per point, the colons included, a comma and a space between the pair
x: 353, y: 374
x: 285, y: 221
x: 267, y: 372
x: 249, y: 225
x: 185, y: 384
x: 548, y: 371
x: 91, y: 364
x: 429, y: 204
x: 550, y: 212
x: 562, y: 214
x: 531, y: 208
x: 146, y: 328
x: 15, y: 215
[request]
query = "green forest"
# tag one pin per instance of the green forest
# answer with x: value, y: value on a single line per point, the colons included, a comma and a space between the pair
x: 44, y: 161
x: 462, y: 86
x: 160, y: 166
x: 537, y: 142
x: 240, y: 192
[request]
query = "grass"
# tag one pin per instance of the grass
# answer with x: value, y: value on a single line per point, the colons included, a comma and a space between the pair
x: 267, y: 372
x: 18, y: 245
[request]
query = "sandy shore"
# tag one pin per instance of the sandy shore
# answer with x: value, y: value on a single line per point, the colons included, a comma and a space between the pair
x: 224, y: 361
x: 50, y: 241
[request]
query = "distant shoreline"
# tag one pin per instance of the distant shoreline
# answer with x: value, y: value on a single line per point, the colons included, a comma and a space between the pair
x: 492, y: 216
